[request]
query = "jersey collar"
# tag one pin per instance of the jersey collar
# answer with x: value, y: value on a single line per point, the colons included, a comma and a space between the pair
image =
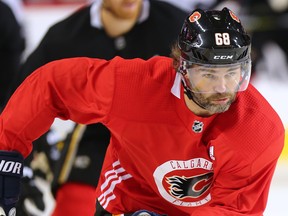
x: 95, y: 18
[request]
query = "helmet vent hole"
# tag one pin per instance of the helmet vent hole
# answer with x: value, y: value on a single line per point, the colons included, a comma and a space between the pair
x: 216, y: 17
x: 199, y: 56
x: 243, y: 54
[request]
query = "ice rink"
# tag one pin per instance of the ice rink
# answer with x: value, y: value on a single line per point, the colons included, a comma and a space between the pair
x: 38, y: 18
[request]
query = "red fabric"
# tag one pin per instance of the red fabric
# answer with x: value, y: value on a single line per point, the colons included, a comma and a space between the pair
x: 162, y: 157
x: 75, y: 199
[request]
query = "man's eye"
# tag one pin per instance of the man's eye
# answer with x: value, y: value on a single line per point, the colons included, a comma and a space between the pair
x: 209, y: 76
x: 231, y: 74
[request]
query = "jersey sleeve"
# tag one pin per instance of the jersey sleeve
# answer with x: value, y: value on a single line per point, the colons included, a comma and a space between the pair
x: 239, y: 196
x: 79, y: 89
x: 241, y: 183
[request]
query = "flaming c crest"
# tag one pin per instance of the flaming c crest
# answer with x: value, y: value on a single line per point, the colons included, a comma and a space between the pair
x: 194, y: 187
x: 234, y: 17
x: 195, y: 16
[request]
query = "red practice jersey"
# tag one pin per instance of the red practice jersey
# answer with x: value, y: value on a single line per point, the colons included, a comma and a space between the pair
x: 162, y: 157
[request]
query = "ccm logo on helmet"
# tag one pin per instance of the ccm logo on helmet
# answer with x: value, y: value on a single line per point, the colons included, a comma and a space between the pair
x: 223, y: 57
x: 10, y: 167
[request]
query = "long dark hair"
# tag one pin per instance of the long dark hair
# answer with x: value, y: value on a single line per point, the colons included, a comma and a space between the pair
x: 175, y: 55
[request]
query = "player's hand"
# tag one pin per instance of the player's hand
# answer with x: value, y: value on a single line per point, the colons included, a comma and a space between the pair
x: 145, y: 213
x: 30, y: 191
x: 11, y: 169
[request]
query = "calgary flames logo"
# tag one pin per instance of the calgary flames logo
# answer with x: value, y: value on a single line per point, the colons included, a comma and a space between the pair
x: 185, y: 183
x: 195, y: 16
x: 193, y: 187
x: 234, y: 17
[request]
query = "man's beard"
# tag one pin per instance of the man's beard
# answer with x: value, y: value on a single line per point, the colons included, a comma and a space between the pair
x: 206, y: 102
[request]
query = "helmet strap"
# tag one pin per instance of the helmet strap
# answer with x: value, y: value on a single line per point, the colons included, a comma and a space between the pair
x: 182, y: 70
x: 190, y: 95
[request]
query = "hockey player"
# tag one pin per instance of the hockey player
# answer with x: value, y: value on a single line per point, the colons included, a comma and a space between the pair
x: 103, y: 29
x: 189, y: 134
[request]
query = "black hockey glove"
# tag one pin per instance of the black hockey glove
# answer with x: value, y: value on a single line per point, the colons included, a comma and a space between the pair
x: 11, y: 169
x: 30, y: 191
x: 145, y: 213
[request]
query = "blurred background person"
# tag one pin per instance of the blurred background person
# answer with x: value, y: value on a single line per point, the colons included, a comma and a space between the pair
x: 102, y: 29
x: 17, y: 8
x: 12, y: 44
x: 267, y: 21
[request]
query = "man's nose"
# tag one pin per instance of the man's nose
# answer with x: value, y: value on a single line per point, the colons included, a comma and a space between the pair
x: 220, y: 85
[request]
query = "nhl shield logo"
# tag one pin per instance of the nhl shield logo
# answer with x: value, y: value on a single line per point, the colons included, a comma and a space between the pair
x: 197, y: 126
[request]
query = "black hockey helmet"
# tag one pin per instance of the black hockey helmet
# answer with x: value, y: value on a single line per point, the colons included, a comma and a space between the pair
x: 214, y: 39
